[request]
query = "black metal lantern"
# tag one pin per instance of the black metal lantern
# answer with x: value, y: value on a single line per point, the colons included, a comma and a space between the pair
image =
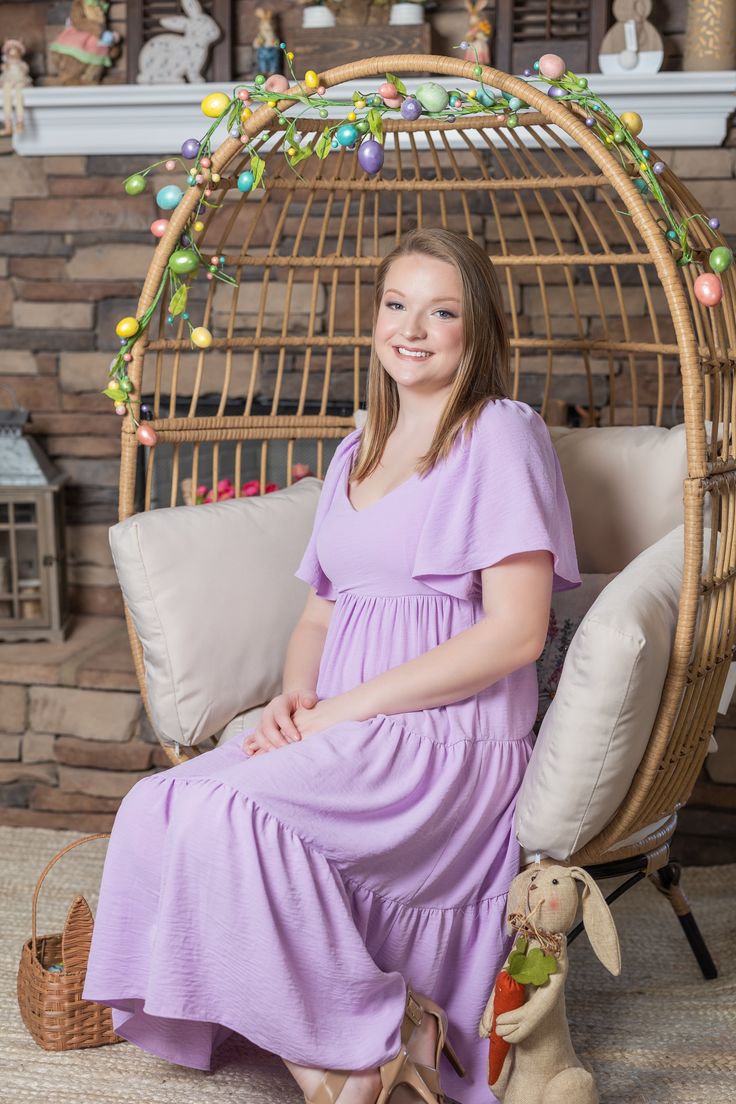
x: 33, y: 593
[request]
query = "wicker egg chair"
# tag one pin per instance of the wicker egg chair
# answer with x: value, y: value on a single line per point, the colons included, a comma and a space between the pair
x: 287, y: 369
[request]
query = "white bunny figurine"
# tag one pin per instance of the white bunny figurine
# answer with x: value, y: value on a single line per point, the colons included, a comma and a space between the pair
x: 172, y: 58
x: 541, y: 1066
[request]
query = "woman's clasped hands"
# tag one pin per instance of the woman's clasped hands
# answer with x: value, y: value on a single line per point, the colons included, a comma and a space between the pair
x: 288, y: 718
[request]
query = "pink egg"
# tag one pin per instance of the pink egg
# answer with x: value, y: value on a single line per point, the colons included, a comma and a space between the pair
x: 158, y: 228
x: 276, y: 83
x: 146, y: 434
x: 387, y: 89
x: 392, y: 101
x: 708, y: 289
x: 551, y: 66
x: 170, y: 166
x: 321, y: 90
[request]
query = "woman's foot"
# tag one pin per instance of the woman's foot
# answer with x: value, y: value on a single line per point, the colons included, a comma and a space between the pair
x: 364, y: 1086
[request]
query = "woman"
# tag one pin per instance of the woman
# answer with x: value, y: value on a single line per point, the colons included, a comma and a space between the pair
x: 364, y: 867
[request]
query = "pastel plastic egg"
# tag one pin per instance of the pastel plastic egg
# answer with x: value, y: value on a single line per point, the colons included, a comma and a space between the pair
x: 658, y: 167
x: 515, y: 103
x: 214, y: 104
x: 276, y: 83
x: 411, y: 109
x: 708, y: 289
x: 190, y: 148
x: 198, y: 226
x: 632, y: 120
x: 486, y: 97
x: 311, y: 79
x: 134, y: 185
x: 388, y: 88
x: 714, y: 223
x: 170, y: 165
x: 393, y: 101
x: 362, y: 126
x: 127, y: 327
x: 720, y: 258
x: 246, y: 180
x: 370, y: 156
x: 432, y: 96
x: 183, y: 261
x: 158, y: 227
x: 346, y: 134
x: 201, y: 337
x: 551, y: 66
x: 146, y: 434
x: 169, y: 196
x: 120, y: 408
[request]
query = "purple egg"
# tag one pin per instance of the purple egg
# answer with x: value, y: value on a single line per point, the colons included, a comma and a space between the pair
x: 714, y: 223
x: 590, y: 121
x: 526, y: 73
x: 659, y: 167
x: 190, y: 148
x: 370, y: 156
x: 411, y: 109
x: 555, y: 92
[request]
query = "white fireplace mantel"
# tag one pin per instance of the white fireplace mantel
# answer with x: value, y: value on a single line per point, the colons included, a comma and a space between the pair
x: 678, y: 108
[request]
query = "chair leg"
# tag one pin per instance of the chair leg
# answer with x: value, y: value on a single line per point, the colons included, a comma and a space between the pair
x: 667, y: 881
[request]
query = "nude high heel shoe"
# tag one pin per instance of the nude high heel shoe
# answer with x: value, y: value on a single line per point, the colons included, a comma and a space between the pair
x: 402, y: 1069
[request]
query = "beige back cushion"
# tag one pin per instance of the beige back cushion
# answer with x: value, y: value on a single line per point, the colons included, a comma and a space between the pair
x: 213, y: 597
x: 625, y: 486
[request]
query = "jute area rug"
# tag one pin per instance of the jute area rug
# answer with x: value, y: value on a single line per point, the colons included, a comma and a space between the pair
x: 659, y: 1034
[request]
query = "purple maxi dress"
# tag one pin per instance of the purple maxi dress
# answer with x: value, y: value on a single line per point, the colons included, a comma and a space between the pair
x: 291, y: 896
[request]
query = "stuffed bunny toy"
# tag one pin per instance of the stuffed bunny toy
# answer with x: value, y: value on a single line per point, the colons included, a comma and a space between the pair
x: 172, y: 58
x: 541, y: 1066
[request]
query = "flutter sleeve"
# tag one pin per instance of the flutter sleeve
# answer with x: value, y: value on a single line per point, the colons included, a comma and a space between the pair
x: 501, y: 493
x: 310, y: 569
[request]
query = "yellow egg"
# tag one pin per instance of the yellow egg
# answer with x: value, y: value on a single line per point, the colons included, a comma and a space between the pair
x: 245, y: 114
x: 201, y: 337
x: 633, y: 121
x: 352, y: 117
x: 216, y: 178
x: 643, y: 166
x: 360, y: 104
x: 214, y: 104
x: 291, y: 151
x: 127, y: 327
x: 290, y: 56
x: 272, y: 103
x: 198, y: 226
x: 311, y: 79
x: 472, y: 93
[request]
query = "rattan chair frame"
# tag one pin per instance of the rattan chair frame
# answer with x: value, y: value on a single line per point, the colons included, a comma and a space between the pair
x: 704, y: 342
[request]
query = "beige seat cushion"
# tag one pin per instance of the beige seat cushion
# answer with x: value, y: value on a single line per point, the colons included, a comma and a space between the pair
x: 213, y: 598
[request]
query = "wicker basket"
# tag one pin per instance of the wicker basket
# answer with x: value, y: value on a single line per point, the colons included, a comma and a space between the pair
x: 51, y: 1004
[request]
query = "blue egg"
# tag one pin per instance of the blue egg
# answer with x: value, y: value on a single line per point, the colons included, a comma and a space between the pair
x: 485, y: 97
x: 246, y: 180
x: 346, y: 134
x: 515, y: 103
x: 169, y: 197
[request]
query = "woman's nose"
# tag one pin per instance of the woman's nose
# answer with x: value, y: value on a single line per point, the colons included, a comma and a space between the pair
x: 413, y: 327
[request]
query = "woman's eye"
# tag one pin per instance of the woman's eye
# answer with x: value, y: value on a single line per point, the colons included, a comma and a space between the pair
x: 445, y: 313
x: 392, y: 305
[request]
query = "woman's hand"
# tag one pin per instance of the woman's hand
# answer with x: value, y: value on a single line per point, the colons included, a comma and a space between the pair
x: 308, y: 716
x: 276, y: 727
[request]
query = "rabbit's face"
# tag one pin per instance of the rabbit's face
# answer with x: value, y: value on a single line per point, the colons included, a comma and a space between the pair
x: 550, y: 892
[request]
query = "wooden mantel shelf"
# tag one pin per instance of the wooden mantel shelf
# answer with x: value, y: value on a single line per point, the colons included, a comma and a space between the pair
x: 679, y: 109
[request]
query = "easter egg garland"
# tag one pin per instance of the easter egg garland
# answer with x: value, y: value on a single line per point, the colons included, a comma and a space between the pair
x: 364, y: 133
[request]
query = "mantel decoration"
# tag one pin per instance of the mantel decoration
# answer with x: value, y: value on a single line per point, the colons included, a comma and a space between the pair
x: 632, y: 44
x: 85, y: 48
x: 14, y: 77
x: 182, y: 55
x: 362, y: 130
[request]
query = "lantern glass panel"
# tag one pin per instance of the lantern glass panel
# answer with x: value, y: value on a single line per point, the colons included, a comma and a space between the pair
x: 25, y: 513
x: 26, y: 543
x: 4, y: 513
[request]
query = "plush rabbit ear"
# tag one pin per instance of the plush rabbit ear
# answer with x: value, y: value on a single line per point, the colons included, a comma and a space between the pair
x: 598, y: 922
x: 518, y: 892
x: 192, y: 7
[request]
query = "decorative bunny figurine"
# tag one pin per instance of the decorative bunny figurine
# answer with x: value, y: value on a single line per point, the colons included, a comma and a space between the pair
x: 172, y: 58
x: 478, y: 32
x: 541, y: 1066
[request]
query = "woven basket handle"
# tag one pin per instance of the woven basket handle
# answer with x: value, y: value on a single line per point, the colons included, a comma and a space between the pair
x: 69, y: 846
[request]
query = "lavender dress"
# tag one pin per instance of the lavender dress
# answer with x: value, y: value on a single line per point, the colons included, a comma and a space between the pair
x: 291, y: 896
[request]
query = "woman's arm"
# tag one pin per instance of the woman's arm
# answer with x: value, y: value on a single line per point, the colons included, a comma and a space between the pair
x: 516, y: 600
x: 306, y: 644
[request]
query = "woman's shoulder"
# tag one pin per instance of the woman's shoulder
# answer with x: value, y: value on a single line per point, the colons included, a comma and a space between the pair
x: 506, y: 421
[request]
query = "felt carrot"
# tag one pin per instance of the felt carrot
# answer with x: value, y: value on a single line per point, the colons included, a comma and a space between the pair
x: 524, y: 966
x: 508, y: 994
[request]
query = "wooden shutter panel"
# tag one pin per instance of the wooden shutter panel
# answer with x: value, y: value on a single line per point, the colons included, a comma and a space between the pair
x: 527, y: 28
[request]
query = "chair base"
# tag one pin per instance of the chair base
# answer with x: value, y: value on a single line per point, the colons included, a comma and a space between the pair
x: 664, y: 873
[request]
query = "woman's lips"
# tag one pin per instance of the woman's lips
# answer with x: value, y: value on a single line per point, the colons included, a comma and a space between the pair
x: 409, y: 356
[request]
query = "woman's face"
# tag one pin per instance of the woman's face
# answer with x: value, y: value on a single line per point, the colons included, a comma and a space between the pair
x: 419, y: 328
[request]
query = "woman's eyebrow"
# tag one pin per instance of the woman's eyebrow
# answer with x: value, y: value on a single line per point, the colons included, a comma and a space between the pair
x: 440, y: 299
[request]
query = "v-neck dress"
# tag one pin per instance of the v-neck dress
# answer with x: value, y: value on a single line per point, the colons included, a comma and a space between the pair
x: 291, y: 897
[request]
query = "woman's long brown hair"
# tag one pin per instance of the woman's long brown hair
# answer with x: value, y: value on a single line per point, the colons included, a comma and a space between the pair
x: 483, y: 372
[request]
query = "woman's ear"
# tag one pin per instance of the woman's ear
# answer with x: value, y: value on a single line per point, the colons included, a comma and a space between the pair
x: 598, y: 922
